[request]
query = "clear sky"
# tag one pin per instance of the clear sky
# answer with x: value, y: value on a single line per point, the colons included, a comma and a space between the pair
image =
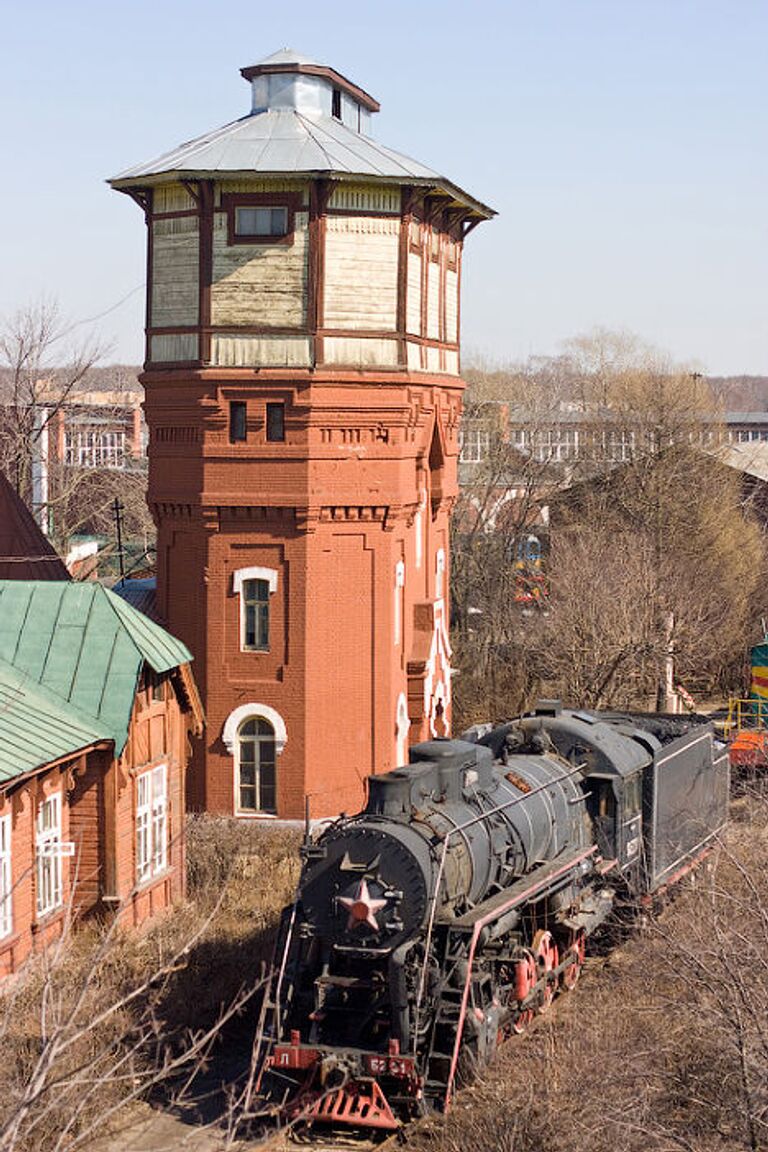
x: 623, y: 143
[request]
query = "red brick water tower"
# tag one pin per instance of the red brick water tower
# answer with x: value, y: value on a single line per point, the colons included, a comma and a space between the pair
x: 303, y: 401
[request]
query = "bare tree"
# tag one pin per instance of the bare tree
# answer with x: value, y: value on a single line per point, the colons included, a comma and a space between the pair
x: 37, y: 356
x: 652, y: 549
x: 499, y: 531
x: 104, y: 1017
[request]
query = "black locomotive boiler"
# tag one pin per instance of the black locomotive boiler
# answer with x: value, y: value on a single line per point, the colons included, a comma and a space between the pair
x: 452, y: 909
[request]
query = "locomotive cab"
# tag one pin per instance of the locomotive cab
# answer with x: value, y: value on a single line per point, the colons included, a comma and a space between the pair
x: 614, y: 809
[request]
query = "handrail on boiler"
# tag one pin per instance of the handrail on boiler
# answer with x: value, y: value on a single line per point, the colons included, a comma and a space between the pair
x: 460, y: 828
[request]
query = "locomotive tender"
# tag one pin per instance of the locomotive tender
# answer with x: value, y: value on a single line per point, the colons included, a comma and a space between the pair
x: 450, y: 911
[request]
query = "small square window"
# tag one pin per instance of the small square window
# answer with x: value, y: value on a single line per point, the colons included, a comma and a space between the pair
x: 238, y: 413
x: 260, y: 217
x: 266, y: 221
x: 275, y: 422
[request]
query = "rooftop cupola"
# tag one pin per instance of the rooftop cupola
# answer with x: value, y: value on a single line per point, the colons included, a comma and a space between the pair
x: 288, y: 80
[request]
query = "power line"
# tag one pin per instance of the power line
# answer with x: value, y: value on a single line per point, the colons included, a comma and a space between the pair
x: 100, y: 315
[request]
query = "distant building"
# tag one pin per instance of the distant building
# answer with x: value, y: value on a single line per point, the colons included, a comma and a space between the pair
x: 96, y: 703
x: 98, y: 429
x: 303, y: 398
x: 569, y: 435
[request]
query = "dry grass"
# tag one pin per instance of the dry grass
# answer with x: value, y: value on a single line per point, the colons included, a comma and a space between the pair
x: 108, y: 1017
x: 664, y: 1045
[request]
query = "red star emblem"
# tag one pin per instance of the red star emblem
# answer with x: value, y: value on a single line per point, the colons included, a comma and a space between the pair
x: 362, y: 908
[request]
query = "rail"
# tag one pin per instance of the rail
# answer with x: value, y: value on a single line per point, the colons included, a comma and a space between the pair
x: 745, y: 713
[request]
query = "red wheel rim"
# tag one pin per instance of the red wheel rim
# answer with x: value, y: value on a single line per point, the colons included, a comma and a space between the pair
x: 521, y: 1021
x: 547, y: 958
x: 577, y: 947
x: 526, y: 975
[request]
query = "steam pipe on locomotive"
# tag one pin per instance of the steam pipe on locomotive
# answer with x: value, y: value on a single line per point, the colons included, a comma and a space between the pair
x: 448, y: 912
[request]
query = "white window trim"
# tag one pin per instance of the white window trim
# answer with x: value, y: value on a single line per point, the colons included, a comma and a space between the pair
x: 402, y: 727
x: 399, y: 585
x: 152, y: 815
x: 253, y: 712
x: 6, y: 877
x: 242, y: 574
x: 49, y: 847
x: 440, y: 574
x: 239, y: 577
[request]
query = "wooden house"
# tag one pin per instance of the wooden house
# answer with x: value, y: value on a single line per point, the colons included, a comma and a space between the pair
x: 96, y: 704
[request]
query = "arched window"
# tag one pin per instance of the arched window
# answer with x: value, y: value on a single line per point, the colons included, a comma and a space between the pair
x: 254, y: 735
x: 256, y: 757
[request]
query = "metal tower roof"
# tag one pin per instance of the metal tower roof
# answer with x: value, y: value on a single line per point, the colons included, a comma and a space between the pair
x: 293, y: 135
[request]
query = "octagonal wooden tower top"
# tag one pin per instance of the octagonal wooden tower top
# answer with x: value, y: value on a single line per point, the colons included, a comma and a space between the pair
x: 254, y: 260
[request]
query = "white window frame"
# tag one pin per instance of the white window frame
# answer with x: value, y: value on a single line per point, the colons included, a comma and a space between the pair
x: 239, y: 578
x: 257, y: 741
x: 48, y: 853
x: 6, y: 877
x: 474, y: 445
x: 151, y: 823
x: 95, y: 448
x: 230, y: 735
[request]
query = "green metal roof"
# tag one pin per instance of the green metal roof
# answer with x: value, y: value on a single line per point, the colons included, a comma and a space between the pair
x: 37, y: 728
x: 84, y: 646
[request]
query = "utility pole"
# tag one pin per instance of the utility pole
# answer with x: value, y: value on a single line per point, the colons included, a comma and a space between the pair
x: 118, y: 509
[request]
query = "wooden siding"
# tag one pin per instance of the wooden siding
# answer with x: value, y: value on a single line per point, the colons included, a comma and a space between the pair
x: 266, y: 351
x: 414, y: 357
x: 175, y: 271
x: 259, y: 284
x: 413, y: 297
x: 226, y: 187
x: 360, y: 352
x: 452, y: 306
x: 366, y: 198
x: 361, y: 258
x: 181, y: 347
x: 433, y: 300
x: 86, y: 830
x: 172, y: 198
x: 452, y: 363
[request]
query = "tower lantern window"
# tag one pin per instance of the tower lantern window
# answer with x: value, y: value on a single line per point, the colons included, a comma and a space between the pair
x: 261, y: 221
x: 336, y: 104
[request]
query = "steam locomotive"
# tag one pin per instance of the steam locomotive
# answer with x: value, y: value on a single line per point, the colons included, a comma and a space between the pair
x: 451, y: 910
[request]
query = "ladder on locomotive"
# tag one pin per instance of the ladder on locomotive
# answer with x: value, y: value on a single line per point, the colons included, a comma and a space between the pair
x: 264, y: 1040
x: 448, y: 1017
